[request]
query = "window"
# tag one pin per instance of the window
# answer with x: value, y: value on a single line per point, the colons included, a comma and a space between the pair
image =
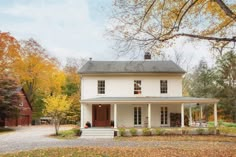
x: 137, y: 87
x: 164, y: 115
x: 163, y: 86
x: 101, y: 86
x: 137, y: 116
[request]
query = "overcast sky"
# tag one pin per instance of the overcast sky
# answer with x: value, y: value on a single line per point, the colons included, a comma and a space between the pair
x: 72, y: 28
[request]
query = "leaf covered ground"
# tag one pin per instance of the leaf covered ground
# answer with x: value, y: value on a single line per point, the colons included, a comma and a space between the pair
x: 153, y: 146
x: 211, y: 138
x: 126, y: 152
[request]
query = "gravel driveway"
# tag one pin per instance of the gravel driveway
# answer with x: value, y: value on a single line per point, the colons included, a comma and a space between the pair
x: 27, y: 138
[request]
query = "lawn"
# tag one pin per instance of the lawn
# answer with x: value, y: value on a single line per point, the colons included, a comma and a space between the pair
x: 5, y: 130
x: 222, y: 124
x: 67, y: 134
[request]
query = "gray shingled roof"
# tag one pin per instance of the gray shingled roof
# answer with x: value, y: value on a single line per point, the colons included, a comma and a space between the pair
x: 130, y: 67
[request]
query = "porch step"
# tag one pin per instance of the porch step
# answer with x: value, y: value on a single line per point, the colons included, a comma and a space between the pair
x: 97, y: 133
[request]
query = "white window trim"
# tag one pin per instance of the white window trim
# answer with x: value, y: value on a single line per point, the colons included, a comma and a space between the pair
x: 166, y: 89
x: 168, y: 117
x: 138, y: 125
x: 99, y: 94
x: 137, y: 90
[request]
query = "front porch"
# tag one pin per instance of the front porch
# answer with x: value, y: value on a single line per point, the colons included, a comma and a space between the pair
x: 140, y: 111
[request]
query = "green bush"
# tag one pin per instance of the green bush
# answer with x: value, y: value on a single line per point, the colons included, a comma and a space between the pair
x: 200, y: 131
x: 133, y: 131
x: 122, y: 131
x: 160, y: 131
x: 147, y: 132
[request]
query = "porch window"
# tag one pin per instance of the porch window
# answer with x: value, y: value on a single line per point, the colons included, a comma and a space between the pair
x: 163, y: 85
x: 137, y: 87
x: 137, y: 116
x: 164, y: 115
x: 101, y: 86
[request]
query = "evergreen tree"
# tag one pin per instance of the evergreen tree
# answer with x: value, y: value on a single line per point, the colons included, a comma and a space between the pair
x: 9, y: 97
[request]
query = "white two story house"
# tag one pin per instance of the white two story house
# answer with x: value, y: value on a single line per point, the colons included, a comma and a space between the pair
x: 134, y: 94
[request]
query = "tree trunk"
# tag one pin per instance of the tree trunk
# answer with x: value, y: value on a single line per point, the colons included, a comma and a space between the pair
x: 57, y: 125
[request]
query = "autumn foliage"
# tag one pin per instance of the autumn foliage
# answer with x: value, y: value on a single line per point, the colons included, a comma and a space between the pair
x: 40, y: 74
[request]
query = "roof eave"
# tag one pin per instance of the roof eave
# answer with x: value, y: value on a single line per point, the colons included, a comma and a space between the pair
x: 206, y: 101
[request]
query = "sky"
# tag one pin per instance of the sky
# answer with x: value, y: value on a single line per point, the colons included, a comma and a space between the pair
x: 73, y: 28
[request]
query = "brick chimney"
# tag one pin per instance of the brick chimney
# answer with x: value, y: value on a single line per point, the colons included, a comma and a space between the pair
x: 147, y: 56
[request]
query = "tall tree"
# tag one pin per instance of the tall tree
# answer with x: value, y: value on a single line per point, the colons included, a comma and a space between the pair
x: 202, y: 81
x: 9, y: 51
x: 36, y: 71
x: 226, y: 67
x: 153, y: 24
x: 72, y: 88
x: 9, y: 97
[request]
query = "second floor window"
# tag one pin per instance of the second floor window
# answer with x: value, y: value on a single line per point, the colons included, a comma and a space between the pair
x: 163, y: 85
x: 137, y: 87
x: 101, y: 86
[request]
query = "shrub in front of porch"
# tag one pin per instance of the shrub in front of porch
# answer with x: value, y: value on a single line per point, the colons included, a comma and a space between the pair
x: 200, y: 131
x: 147, y: 132
x: 122, y: 131
x: 133, y: 131
x: 160, y: 131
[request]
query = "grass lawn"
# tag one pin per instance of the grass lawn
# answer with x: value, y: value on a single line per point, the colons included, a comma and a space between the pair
x: 67, y: 134
x: 125, y: 152
x: 221, y: 123
x: 5, y: 130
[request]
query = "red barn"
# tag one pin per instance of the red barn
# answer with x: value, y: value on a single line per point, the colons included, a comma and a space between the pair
x: 25, y: 114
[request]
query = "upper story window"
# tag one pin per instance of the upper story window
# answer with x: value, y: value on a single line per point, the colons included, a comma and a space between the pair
x: 163, y: 86
x: 137, y: 87
x: 101, y: 86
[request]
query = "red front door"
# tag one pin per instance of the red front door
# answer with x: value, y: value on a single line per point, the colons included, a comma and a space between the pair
x: 101, y: 115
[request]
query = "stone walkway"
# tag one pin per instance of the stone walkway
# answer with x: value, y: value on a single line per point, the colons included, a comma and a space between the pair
x: 27, y: 138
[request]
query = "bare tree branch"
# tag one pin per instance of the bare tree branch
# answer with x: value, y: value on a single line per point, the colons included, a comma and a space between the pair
x: 226, y: 9
x: 149, y: 8
x: 233, y: 39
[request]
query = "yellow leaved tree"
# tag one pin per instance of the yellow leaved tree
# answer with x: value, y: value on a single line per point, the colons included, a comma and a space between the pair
x: 56, y: 107
x: 39, y: 74
x: 9, y: 51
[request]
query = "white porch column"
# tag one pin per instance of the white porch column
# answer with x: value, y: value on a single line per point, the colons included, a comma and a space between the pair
x: 182, y: 115
x: 200, y: 112
x: 115, y: 116
x: 190, y: 116
x: 81, y: 116
x: 149, y: 116
x: 215, y: 115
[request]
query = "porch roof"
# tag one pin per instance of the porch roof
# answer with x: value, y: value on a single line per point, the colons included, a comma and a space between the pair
x: 146, y: 100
